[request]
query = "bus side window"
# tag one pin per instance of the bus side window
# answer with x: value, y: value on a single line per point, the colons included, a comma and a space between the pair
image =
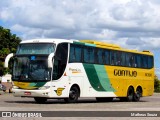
x: 99, y: 53
x: 96, y: 56
x: 78, y: 54
x: 88, y: 55
x: 75, y: 54
x: 138, y: 61
x: 150, y: 62
x: 119, y: 58
x: 132, y: 60
x: 129, y: 60
x: 91, y: 55
x: 144, y: 61
x: 113, y: 58
x: 72, y: 55
x: 106, y: 57
x: 123, y: 59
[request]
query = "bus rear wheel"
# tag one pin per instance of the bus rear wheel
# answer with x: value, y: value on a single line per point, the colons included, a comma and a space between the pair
x: 129, y: 97
x: 74, y: 93
x: 137, y: 95
x: 130, y: 94
x: 40, y: 100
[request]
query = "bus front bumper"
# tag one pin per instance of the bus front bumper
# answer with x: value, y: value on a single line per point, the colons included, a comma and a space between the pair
x: 31, y: 93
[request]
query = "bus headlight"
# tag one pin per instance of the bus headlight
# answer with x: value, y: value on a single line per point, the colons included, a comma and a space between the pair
x: 44, y: 88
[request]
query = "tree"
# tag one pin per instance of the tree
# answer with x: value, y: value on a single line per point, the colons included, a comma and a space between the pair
x: 8, y: 44
x: 156, y: 84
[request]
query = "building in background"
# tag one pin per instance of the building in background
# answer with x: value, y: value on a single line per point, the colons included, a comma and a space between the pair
x: 7, y: 82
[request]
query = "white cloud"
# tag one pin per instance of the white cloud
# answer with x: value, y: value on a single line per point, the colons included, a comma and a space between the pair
x: 129, y: 23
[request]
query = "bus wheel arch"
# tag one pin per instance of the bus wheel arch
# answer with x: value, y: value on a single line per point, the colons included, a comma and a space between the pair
x: 138, y: 94
x: 74, y: 94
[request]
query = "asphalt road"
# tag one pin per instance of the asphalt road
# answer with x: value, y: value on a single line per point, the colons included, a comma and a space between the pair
x: 10, y: 103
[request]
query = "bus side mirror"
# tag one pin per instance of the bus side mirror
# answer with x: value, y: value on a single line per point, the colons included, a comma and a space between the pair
x: 50, y: 60
x: 9, y: 56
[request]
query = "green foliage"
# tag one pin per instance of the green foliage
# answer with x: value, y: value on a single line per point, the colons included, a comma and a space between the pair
x: 156, y: 84
x: 8, y: 44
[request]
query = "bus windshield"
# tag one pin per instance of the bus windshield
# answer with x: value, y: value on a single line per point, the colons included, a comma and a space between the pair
x: 36, y: 48
x: 31, y: 68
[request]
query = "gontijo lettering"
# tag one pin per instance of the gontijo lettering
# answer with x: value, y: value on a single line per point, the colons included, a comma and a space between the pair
x: 128, y: 73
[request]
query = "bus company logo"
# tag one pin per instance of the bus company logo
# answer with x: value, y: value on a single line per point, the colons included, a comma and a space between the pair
x: 76, y: 70
x: 125, y: 73
x: 59, y: 91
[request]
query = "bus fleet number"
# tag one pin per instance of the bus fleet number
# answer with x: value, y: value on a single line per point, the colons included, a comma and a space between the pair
x: 148, y: 74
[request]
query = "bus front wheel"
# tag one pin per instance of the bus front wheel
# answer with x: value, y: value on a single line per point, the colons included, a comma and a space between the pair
x: 73, y: 95
x: 40, y: 100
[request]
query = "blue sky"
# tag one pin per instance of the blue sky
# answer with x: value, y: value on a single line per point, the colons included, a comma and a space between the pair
x: 133, y: 24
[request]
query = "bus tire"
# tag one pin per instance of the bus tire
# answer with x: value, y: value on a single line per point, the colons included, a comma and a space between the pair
x: 130, y: 94
x: 74, y: 94
x: 40, y: 100
x: 137, y: 95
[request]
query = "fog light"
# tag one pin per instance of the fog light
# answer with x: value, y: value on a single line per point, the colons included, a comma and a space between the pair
x: 45, y: 93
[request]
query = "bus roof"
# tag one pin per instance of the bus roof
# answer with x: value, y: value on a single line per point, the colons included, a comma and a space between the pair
x: 101, y: 44
x: 56, y: 41
x: 86, y: 42
x: 113, y: 47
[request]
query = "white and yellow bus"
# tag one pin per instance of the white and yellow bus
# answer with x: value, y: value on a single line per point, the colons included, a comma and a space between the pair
x: 71, y: 69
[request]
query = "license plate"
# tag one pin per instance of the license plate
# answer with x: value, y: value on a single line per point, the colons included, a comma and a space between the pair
x: 27, y: 93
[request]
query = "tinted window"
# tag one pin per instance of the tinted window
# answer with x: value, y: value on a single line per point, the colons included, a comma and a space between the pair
x: 60, y: 60
x: 123, y: 57
x: 129, y: 60
x: 144, y: 61
x: 113, y: 57
x: 119, y: 58
x: 35, y: 48
x: 98, y: 56
x: 150, y: 61
x: 75, y: 54
x: 106, y: 57
x: 89, y: 55
x: 138, y: 61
